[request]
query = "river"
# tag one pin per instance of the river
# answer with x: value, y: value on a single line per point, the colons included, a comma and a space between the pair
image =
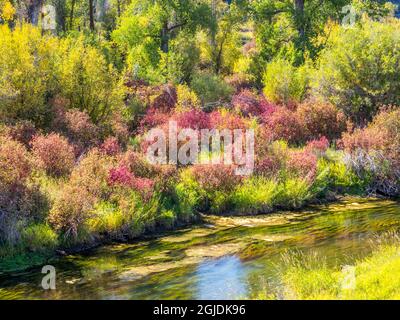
x: 222, y: 258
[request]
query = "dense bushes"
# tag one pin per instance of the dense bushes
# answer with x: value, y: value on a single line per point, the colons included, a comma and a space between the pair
x: 285, y: 83
x: 28, y: 78
x: 53, y: 153
x: 20, y: 200
x: 359, y: 70
x: 87, y: 81
x: 73, y: 166
x: 373, y: 152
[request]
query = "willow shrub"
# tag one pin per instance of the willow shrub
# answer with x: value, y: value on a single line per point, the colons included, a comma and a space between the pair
x: 359, y: 70
x: 28, y: 77
x: 284, y: 83
x: 87, y: 81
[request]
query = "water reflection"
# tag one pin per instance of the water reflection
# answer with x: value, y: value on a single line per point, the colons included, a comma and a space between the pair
x: 222, y: 279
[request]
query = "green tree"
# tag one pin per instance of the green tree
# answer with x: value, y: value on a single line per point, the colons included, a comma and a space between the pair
x: 359, y: 69
x: 147, y: 28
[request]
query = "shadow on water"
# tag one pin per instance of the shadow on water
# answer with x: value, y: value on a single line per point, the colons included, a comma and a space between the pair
x: 227, y: 258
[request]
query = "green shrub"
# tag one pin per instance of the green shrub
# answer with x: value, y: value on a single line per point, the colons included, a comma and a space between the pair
x: 255, y: 195
x: 28, y: 73
x: 167, y: 219
x: 293, y: 193
x: 106, y: 219
x: 189, y: 195
x: 284, y: 83
x: 359, y: 69
x: 211, y: 89
x: 87, y: 81
x: 39, y: 237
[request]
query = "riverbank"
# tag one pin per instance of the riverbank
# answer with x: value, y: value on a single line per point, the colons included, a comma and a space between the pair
x: 375, y: 277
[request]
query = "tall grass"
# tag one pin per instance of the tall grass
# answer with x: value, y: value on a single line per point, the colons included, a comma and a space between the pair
x: 375, y: 277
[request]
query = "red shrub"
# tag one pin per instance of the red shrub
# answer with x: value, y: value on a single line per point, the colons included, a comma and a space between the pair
x: 318, y: 147
x: 164, y: 98
x: 216, y: 177
x: 267, y: 166
x: 153, y: 118
x: 15, y: 162
x: 137, y: 164
x: 239, y: 81
x: 285, y: 125
x: 53, y: 153
x: 111, y: 146
x: 194, y: 119
x: 120, y: 128
x: 321, y: 119
x: 23, y: 132
x: 78, y: 127
x: 267, y: 108
x: 247, y: 103
x: 366, y: 139
x: 302, y: 164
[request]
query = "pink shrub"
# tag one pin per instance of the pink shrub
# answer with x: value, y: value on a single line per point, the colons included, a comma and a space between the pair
x: 318, y: 147
x: 194, y: 119
x: 285, y: 125
x: 144, y: 186
x: 120, y: 176
x: 22, y: 132
x: 302, y: 164
x: 216, y: 177
x: 53, y: 153
x: 111, y: 146
x: 321, y: 119
x: 123, y: 177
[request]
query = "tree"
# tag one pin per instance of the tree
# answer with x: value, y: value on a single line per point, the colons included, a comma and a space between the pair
x: 91, y: 15
x: 147, y: 27
x: 359, y: 69
x: 224, y: 28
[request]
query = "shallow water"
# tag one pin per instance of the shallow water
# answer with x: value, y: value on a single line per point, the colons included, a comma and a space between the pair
x: 224, y: 258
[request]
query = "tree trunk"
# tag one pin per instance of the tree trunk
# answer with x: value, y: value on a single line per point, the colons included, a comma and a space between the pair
x: 299, y: 8
x: 165, y: 38
x: 61, y: 15
x: 91, y: 15
x: 119, y: 8
x: 33, y: 11
x: 71, y: 16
